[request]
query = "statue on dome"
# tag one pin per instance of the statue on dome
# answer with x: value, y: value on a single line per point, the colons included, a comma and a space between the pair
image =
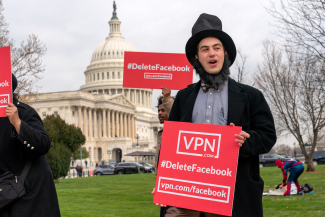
x: 114, y: 6
x: 114, y: 12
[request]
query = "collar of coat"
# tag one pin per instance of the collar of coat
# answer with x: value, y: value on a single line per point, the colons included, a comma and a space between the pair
x: 236, y: 100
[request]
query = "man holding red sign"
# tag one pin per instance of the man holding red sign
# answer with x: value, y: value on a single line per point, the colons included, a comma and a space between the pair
x: 219, y: 100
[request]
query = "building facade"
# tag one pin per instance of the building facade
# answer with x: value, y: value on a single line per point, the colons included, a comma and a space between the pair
x: 115, y: 120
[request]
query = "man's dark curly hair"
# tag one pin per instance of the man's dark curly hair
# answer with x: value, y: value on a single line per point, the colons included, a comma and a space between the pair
x: 159, y: 101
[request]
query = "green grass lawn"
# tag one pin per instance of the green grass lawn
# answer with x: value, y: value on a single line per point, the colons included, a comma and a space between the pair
x: 129, y: 195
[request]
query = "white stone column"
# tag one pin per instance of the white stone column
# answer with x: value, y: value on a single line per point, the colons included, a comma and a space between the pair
x: 129, y: 126
x: 121, y: 124
x: 104, y: 122
x: 134, y: 127
x: 141, y: 98
x: 95, y: 124
x: 90, y: 124
x: 79, y: 117
x: 125, y: 125
x: 113, y: 124
x: 108, y: 123
x: 100, y: 134
x: 117, y: 124
x: 85, y: 122
x: 129, y: 94
x: 150, y: 99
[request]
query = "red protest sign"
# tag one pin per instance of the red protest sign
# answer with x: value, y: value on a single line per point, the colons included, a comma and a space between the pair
x: 156, y: 70
x: 197, y: 167
x: 5, y: 80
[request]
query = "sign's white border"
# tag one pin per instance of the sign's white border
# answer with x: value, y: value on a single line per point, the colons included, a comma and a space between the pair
x: 188, y: 195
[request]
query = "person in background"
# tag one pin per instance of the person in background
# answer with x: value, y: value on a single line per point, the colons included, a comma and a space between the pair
x: 296, y: 168
x: 86, y: 162
x: 165, y: 103
x: 77, y: 169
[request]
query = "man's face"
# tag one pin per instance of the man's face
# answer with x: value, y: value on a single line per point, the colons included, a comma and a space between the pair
x: 211, y: 54
x: 162, y: 114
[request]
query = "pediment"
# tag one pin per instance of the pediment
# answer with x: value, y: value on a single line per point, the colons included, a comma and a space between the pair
x: 120, y: 99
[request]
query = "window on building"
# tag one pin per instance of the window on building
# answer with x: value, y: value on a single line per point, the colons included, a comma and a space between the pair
x: 103, y: 75
x: 44, y: 114
x: 97, y: 76
x: 94, y: 77
x: 105, y: 53
x: 56, y: 113
x: 117, y: 52
x: 72, y: 113
x: 113, y: 75
x: 113, y: 52
x: 101, y: 54
x: 107, y: 75
x: 122, y: 52
x: 118, y: 75
x: 109, y: 53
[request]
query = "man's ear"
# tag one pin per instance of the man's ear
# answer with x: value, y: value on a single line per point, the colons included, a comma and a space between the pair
x: 225, y: 52
x: 196, y: 57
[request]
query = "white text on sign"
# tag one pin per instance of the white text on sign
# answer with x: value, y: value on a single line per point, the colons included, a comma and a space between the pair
x: 195, y: 168
x: 198, y: 144
x: 158, y: 67
x: 199, y: 190
x: 4, y: 100
x: 4, y: 84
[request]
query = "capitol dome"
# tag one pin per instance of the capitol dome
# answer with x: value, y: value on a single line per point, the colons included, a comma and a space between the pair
x: 104, y: 74
x: 112, y: 48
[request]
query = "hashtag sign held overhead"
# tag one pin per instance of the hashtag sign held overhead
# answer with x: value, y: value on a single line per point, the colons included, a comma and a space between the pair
x: 5, y: 80
x: 155, y: 70
x: 198, y: 164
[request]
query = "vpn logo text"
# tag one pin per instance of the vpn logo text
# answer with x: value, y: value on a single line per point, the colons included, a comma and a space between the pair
x: 198, y: 144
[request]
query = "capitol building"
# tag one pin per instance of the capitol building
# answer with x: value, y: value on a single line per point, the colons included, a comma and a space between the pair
x: 116, y: 121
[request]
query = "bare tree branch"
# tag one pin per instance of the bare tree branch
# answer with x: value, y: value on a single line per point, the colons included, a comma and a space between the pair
x: 287, y: 79
x: 26, y: 60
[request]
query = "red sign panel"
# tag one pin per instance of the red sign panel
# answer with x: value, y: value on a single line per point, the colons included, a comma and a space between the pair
x: 197, y: 167
x: 5, y: 80
x: 156, y: 70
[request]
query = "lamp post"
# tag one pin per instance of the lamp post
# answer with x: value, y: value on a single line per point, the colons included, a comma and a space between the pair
x: 69, y: 176
x: 81, y: 156
x: 137, y: 137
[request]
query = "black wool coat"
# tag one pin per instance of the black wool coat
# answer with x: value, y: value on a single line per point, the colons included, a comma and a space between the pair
x: 247, y: 108
x: 40, y: 198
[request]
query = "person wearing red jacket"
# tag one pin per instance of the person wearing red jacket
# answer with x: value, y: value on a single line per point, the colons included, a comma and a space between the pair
x: 295, y: 168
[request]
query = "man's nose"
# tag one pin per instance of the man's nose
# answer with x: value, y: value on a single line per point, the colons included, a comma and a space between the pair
x: 212, y: 52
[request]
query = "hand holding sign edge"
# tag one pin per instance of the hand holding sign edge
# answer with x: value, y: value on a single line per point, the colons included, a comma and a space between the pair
x: 12, y: 114
x: 241, y: 138
x: 153, y: 194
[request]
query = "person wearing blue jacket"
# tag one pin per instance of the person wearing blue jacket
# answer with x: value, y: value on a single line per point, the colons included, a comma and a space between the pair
x: 295, y: 168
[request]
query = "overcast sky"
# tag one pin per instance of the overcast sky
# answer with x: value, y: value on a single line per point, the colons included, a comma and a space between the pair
x: 72, y: 30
